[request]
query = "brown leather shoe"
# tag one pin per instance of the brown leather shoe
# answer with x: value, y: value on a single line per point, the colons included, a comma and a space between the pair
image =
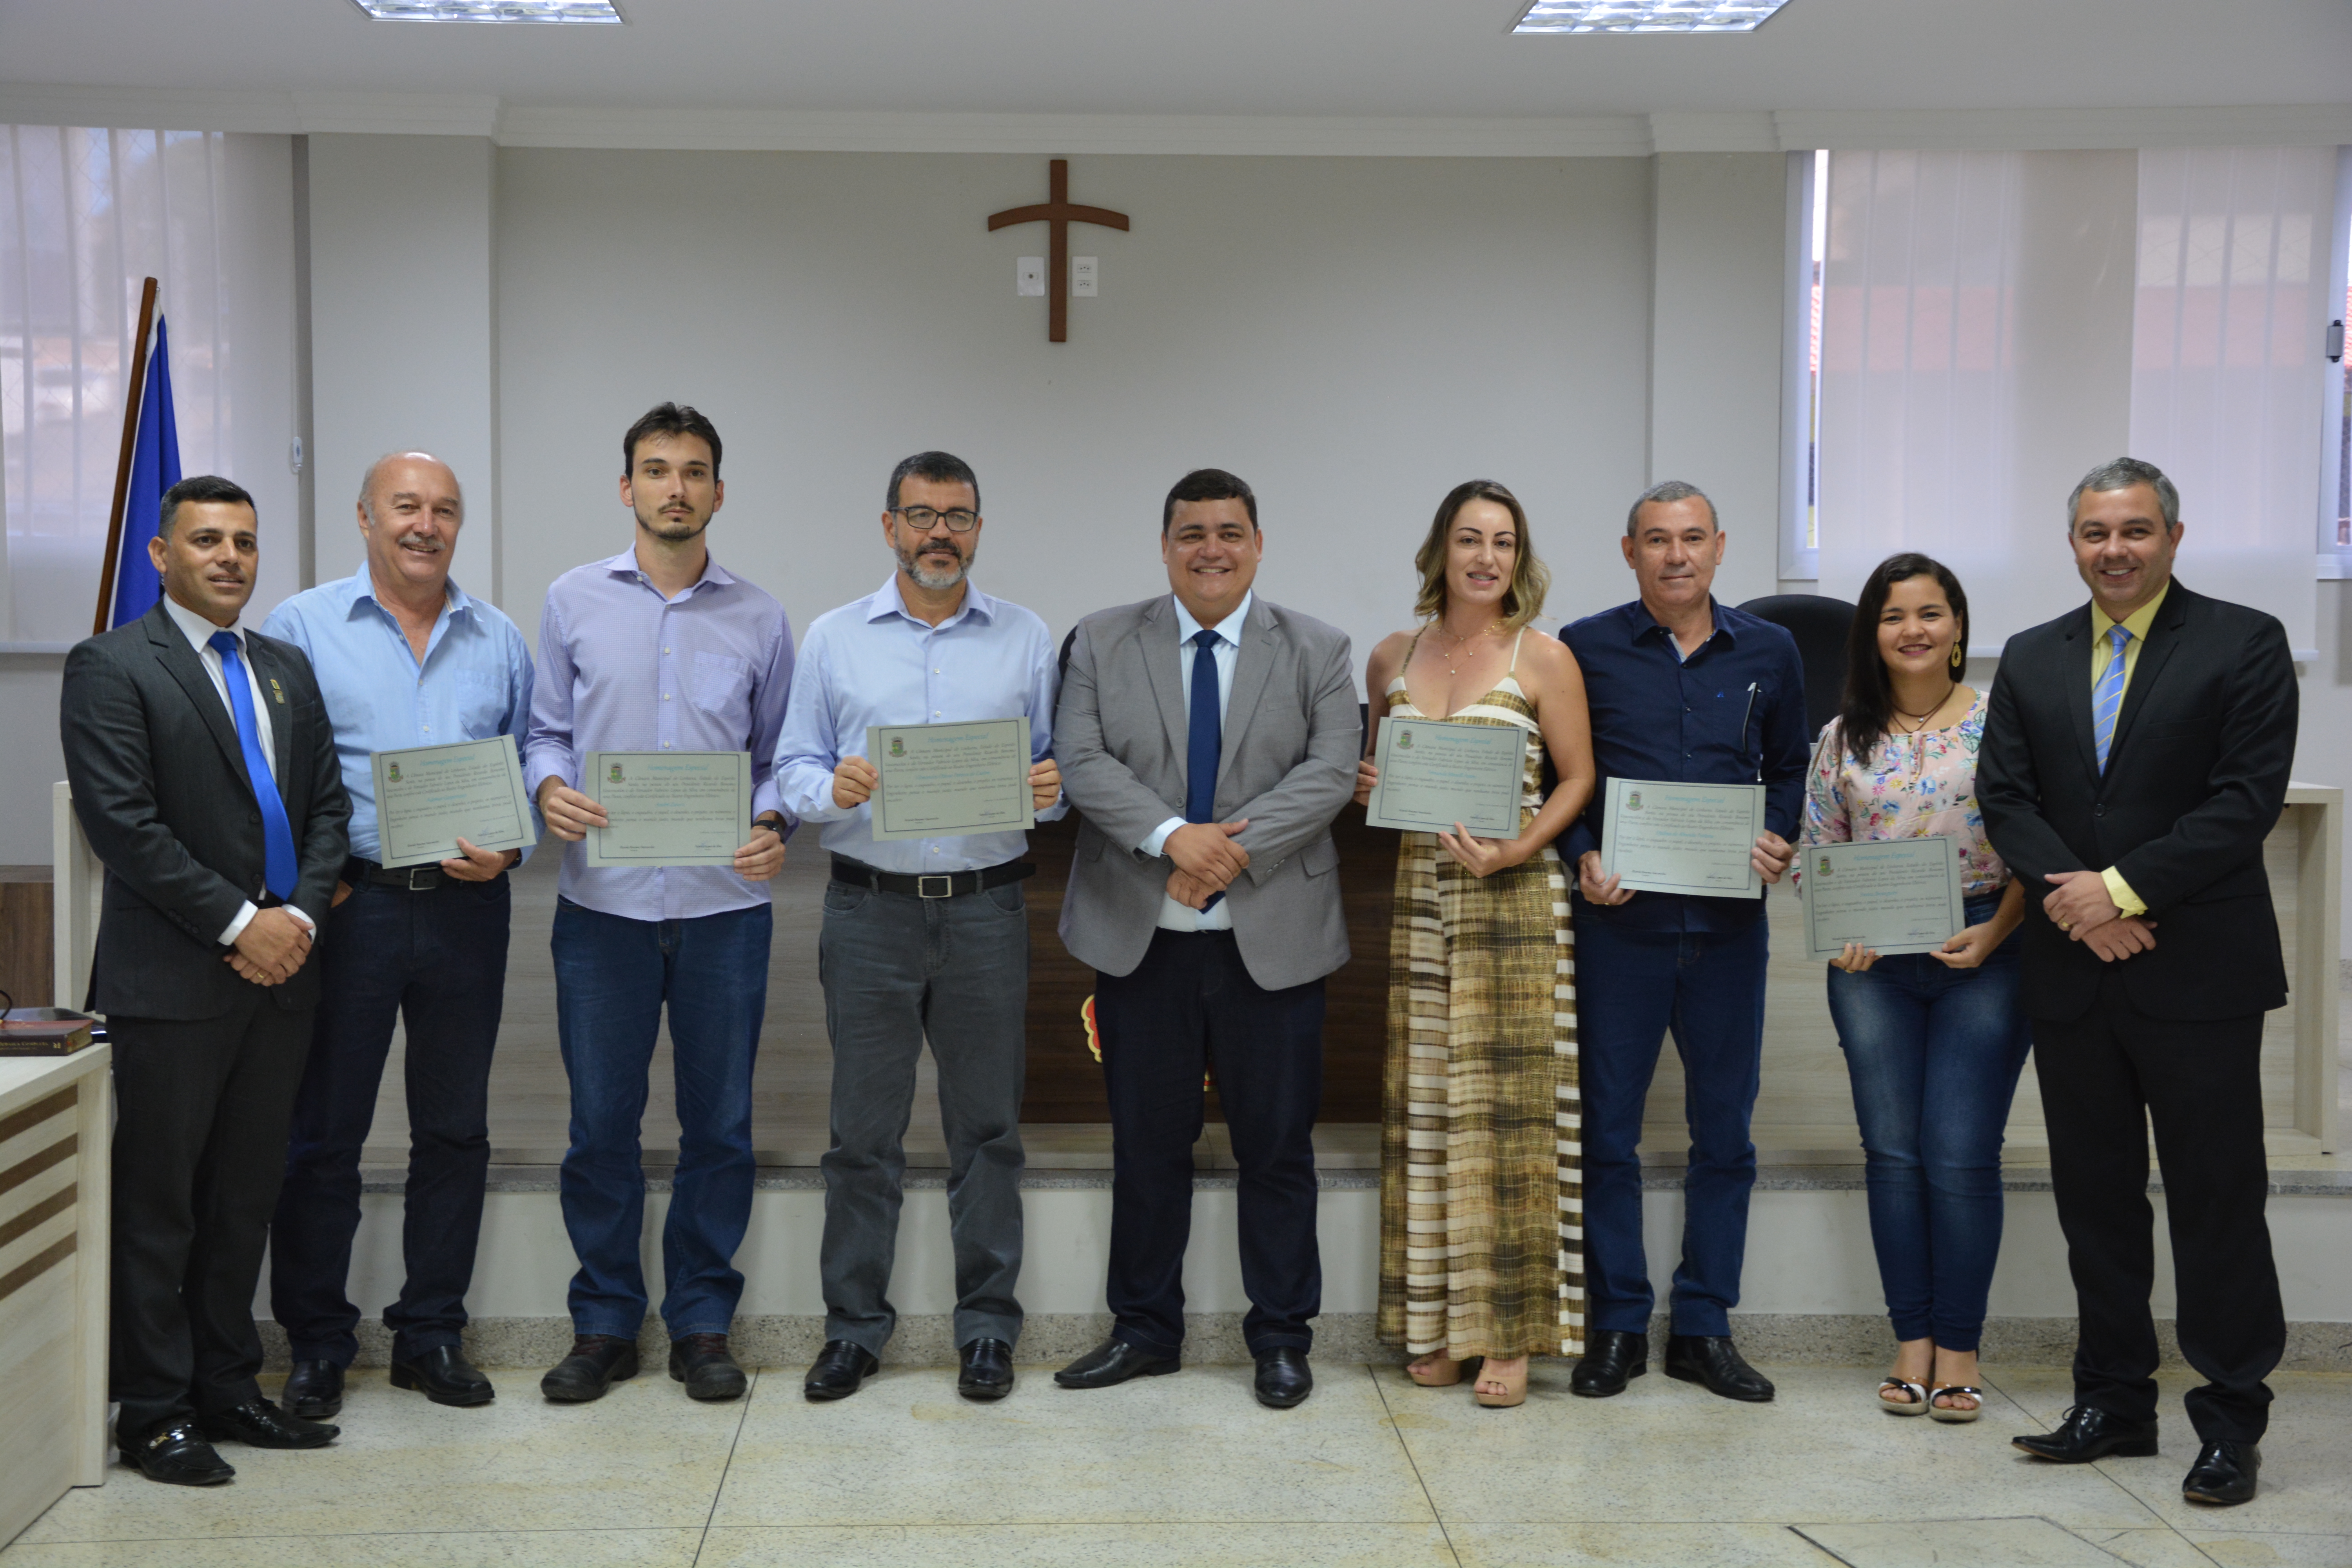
x: 596, y: 1362
x: 707, y: 1367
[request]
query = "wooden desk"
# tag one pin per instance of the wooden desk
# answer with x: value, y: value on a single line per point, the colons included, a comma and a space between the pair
x: 57, y: 1114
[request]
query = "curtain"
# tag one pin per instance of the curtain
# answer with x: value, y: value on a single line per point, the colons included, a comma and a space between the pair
x: 86, y: 213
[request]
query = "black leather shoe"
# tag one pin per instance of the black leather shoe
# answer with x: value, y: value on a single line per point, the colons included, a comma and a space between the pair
x: 175, y: 1454
x: 445, y: 1376
x: 707, y: 1367
x: 1715, y: 1362
x: 596, y: 1362
x: 262, y: 1424
x: 1282, y: 1377
x: 985, y: 1370
x: 2085, y: 1433
x: 1612, y: 1358
x: 2224, y: 1473
x: 1114, y: 1361
x: 314, y: 1390
x: 839, y: 1369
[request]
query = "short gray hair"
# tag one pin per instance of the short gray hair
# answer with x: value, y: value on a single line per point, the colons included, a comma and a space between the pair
x: 2122, y: 474
x: 367, y: 480
x: 1667, y: 490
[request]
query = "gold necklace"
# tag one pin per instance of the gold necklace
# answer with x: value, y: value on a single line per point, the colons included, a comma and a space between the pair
x: 1462, y: 643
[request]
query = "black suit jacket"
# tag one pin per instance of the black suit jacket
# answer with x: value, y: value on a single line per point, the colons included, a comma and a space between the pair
x: 160, y: 785
x: 2196, y: 779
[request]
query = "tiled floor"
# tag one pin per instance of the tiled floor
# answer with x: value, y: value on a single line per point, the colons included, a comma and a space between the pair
x: 1188, y: 1470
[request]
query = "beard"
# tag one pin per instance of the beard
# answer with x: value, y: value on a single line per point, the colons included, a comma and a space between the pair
x: 913, y: 565
x: 672, y: 530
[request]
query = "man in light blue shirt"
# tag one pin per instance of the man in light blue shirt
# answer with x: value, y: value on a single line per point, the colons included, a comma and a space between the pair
x: 922, y: 936
x: 404, y: 658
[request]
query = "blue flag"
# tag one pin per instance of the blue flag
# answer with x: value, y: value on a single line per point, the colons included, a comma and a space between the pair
x: 155, y: 468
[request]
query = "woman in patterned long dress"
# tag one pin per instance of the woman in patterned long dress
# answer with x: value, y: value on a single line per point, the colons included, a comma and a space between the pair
x: 1481, y: 1188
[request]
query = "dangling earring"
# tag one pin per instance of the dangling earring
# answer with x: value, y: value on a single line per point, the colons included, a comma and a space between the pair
x: 1959, y: 657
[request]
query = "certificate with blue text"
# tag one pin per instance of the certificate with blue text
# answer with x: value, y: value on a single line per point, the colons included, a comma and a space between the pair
x: 943, y: 781
x: 1435, y: 774
x: 668, y: 808
x: 1892, y: 895
x: 1664, y: 837
x: 428, y: 797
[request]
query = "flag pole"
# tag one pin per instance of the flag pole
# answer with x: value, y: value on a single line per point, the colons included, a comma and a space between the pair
x: 122, y: 465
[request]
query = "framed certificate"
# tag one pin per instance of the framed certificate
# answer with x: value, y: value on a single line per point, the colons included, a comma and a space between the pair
x: 669, y: 808
x: 942, y: 781
x: 1436, y: 773
x: 427, y: 797
x: 1662, y: 837
x: 1894, y: 895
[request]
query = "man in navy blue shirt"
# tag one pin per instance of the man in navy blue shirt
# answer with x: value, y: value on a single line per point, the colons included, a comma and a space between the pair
x: 1683, y: 690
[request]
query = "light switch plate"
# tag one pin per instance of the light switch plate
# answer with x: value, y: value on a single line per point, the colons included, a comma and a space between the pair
x: 1084, y: 275
x: 1029, y: 276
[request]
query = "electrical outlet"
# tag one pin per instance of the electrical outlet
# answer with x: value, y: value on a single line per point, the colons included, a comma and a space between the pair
x: 1084, y: 275
x: 1029, y: 276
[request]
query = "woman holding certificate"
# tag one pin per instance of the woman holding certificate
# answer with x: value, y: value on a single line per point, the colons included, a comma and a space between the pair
x: 1934, y: 1040
x: 1481, y: 1185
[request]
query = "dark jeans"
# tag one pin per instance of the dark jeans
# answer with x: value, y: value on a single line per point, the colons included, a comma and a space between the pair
x: 1190, y: 1004
x: 1933, y: 1055
x: 437, y: 962
x: 199, y: 1151
x: 897, y: 968
x: 1632, y: 988
x: 612, y: 976
x: 2106, y: 1079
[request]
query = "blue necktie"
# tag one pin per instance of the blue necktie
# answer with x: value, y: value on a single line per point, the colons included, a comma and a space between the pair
x: 277, y: 835
x: 2108, y: 700
x: 1204, y: 740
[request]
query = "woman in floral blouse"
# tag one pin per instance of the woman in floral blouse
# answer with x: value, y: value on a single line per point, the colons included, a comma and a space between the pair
x: 1934, y: 1041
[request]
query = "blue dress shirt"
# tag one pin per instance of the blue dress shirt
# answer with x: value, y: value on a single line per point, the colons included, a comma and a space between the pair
x: 474, y: 681
x: 873, y: 662
x: 1731, y: 712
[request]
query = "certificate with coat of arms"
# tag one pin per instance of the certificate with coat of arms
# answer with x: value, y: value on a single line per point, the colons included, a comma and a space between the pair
x: 1664, y: 837
x: 1435, y: 774
x: 668, y: 808
x: 1890, y: 895
x: 942, y: 781
x: 428, y: 797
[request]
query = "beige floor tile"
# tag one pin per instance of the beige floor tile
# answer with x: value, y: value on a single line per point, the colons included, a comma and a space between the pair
x: 2264, y: 1549
x: 1623, y: 1545
x: 1669, y: 1450
x: 490, y: 1549
x: 645, y: 1456
x: 1192, y: 1447
x: 2306, y: 1454
x: 2025, y: 1543
x: 1082, y: 1546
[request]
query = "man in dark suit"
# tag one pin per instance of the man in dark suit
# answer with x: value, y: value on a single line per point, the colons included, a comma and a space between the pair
x: 204, y: 773
x: 2135, y: 758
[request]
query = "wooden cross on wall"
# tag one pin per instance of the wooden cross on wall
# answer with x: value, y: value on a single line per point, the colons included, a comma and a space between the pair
x: 1057, y: 215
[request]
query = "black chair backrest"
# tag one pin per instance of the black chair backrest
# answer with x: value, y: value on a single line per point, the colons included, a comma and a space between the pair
x: 1819, y: 624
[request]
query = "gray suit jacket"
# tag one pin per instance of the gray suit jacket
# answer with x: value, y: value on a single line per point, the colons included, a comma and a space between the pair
x: 1292, y: 730
x: 160, y: 785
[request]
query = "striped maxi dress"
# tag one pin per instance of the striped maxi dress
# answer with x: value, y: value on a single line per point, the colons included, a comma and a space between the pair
x: 1482, y: 1207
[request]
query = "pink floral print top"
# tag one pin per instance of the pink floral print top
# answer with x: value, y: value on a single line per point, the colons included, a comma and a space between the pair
x: 1911, y: 786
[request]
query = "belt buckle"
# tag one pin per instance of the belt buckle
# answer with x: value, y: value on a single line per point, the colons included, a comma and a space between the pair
x: 411, y: 876
x: 923, y: 886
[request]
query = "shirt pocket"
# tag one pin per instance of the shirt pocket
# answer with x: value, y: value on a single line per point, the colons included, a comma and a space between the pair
x: 481, y: 703
x: 720, y: 686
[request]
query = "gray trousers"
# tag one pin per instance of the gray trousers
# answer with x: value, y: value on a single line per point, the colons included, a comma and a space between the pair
x: 897, y: 968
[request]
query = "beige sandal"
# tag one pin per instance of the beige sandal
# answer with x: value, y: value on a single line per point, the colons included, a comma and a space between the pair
x: 1515, y: 1391
x: 1438, y: 1369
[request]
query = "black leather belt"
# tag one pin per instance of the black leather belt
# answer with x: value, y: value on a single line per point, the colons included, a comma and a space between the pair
x: 409, y: 878
x: 939, y: 885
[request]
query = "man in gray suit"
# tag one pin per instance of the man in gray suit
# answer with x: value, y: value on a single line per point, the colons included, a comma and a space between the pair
x: 1208, y: 739
x: 204, y: 773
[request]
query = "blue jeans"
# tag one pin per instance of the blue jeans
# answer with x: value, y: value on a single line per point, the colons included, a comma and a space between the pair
x: 1933, y: 1055
x: 1632, y: 988
x: 612, y: 977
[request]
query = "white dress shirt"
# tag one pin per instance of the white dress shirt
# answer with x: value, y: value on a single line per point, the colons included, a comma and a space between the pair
x: 1175, y: 916
x: 199, y: 633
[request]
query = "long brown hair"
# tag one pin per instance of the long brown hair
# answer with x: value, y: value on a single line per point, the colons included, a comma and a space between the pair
x: 1523, y: 598
x: 1869, y: 696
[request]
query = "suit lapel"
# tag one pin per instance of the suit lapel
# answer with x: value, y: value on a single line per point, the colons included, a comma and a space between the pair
x: 2075, y: 671
x: 1253, y: 666
x: 185, y: 667
x: 2163, y: 637
x: 1162, y: 667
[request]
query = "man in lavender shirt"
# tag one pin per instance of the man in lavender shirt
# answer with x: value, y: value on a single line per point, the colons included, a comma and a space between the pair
x: 658, y: 648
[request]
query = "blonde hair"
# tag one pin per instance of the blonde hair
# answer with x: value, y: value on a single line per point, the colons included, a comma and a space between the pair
x: 1523, y: 599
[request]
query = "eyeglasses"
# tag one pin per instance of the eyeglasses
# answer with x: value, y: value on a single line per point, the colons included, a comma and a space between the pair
x: 923, y: 519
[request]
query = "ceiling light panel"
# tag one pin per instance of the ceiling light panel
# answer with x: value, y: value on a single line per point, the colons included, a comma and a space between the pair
x: 1647, y: 15
x: 590, y: 12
